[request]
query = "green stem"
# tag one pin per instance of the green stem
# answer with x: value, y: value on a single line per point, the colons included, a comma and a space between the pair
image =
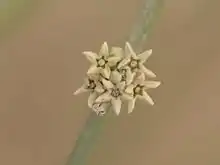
x: 86, y: 139
x: 143, y: 27
x: 95, y: 123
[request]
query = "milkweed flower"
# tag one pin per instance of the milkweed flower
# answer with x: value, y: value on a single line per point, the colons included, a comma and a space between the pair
x: 137, y: 90
x: 102, y: 61
x: 117, y: 75
x: 135, y: 62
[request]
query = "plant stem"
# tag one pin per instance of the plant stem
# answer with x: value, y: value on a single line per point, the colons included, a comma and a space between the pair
x: 143, y: 27
x: 86, y: 139
x: 95, y: 123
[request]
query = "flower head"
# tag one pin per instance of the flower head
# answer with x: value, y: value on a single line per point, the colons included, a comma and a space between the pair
x: 102, y: 61
x: 117, y: 75
x: 135, y: 62
x: 137, y: 90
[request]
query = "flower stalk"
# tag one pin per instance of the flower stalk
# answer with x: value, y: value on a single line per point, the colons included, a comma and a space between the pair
x: 95, y: 123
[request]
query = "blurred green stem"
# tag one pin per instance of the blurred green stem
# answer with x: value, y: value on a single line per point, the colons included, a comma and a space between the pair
x: 94, y: 123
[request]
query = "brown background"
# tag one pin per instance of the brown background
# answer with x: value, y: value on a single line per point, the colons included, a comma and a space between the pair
x: 41, y: 65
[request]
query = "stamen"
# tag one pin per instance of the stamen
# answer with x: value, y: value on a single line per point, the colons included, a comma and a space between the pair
x: 115, y: 92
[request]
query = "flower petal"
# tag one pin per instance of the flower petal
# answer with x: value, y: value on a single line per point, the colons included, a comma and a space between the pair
x: 129, y: 77
x: 99, y: 88
x: 124, y: 62
x: 91, y: 56
x: 145, y: 55
x: 130, y: 89
x: 140, y: 78
x: 121, y: 86
x: 126, y: 96
x: 113, y: 60
x: 115, y: 77
x: 116, y: 51
x: 131, y: 105
x: 105, y: 97
x: 92, y: 98
x: 116, y: 104
x: 104, y: 50
x: 147, y: 72
x: 147, y: 98
x: 80, y: 90
x: 151, y: 84
x: 93, y: 70
x: 106, y: 71
x: 129, y: 51
x: 107, y: 84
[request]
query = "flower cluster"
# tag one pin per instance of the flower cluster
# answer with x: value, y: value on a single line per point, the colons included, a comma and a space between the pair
x: 117, y: 75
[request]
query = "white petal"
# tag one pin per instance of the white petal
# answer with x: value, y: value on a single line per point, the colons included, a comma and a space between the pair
x: 115, y: 77
x: 140, y: 77
x: 106, y: 71
x: 121, y: 86
x: 129, y: 50
x: 151, y: 84
x: 129, y: 77
x: 93, y: 70
x: 148, y: 98
x: 129, y: 89
x: 80, y: 90
x: 91, y: 56
x: 113, y: 60
x: 131, y: 105
x: 105, y: 97
x: 104, y: 50
x: 107, y: 84
x: 92, y: 98
x: 147, y: 72
x: 126, y: 96
x: 117, y: 51
x: 116, y: 104
x: 124, y: 62
x: 145, y: 55
x: 99, y: 88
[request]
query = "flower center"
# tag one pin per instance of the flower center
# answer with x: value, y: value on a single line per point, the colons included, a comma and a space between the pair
x: 91, y: 84
x: 123, y: 74
x: 115, y: 92
x: 138, y: 90
x: 133, y: 64
x: 101, y: 62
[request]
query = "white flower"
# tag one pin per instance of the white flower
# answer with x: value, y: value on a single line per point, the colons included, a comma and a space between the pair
x: 135, y: 62
x: 117, y: 75
x: 114, y: 94
x: 137, y: 90
x: 126, y: 74
x: 102, y: 61
x: 100, y: 108
x: 93, y: 86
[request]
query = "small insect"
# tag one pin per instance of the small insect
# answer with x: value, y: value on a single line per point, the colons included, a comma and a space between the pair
x: 99, y: 109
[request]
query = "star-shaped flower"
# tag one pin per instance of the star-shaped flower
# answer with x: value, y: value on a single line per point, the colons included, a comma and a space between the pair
x: 93, y: 86
x: 114, y: 94
x: 135, y: 62
x: 102, y: 61
x: 117, y: 75
x: 137, y: 91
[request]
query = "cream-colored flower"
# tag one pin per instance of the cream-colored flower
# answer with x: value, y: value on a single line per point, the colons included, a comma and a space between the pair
x: 126, y: 74
x: 102, y: 61
x: 93, y: 86
x: 135, y: 62
x: 100, y: 108
x: 114, y: 94
x: 138, y: 91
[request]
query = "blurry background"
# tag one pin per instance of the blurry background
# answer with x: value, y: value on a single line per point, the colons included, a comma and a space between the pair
x: 41, y: 65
